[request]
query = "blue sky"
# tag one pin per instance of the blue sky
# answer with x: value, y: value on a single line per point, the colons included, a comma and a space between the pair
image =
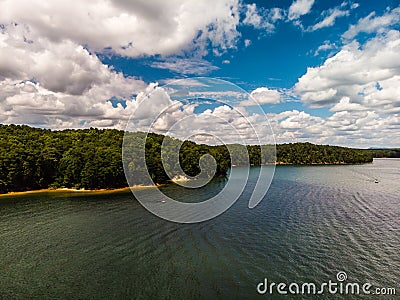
x: 322, y: 71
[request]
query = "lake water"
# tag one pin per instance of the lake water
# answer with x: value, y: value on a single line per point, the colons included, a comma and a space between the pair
x: 313, y: 222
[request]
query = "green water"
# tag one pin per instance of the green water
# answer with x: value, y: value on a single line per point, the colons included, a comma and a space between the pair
x: 313, y: 223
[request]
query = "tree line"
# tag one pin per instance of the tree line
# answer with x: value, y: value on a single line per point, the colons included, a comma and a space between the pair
x: 33, y: 158
x: 381, y: 153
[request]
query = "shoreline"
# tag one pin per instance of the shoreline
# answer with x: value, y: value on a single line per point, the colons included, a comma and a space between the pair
x: 83, y: 191
x: 325, y: 164
x: 124, y: 189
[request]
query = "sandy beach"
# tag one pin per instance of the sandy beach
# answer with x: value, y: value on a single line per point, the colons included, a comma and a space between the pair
x: 70, y: 190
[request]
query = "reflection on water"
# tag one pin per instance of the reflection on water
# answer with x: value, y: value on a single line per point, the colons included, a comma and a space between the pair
x: 313, y: 222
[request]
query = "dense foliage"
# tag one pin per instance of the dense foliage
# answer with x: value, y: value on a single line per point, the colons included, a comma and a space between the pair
x: 388, y: 153
x: 307, y: 153
x: 180, y: 158
x: 32, y: 158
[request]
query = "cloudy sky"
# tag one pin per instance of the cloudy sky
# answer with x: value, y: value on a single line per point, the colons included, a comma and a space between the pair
x: 323, y: 71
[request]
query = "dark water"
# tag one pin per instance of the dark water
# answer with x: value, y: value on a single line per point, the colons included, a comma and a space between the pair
x: 313, y: 223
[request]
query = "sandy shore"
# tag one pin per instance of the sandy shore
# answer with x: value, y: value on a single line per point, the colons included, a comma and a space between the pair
x: 68, y: 190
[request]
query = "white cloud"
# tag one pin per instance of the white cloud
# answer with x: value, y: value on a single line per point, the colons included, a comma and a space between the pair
x: 247, y: 43
x: 330, y: 18
x: 42, y: 107
x: 129, y: 28
x: 230, y: 96
x: 326, y: 46
x: 276, y: 14
x: 361, y: 87
x: 255, y: 19
x: 60, y: 67
x: 298, y: 120
x: 299, y: 8
x: 262, y: 18
x: 55, y: 83
x: 345, y: 105
x: 298, y: 126
x: 319, y: 96
x: 155, y: 111
x: 262, y: 95
x: 226, y: 61
x: 368, y: 75
x: 352, y: 123
x: 356, y: 129
x: 149, y: 103
x: 48, y: 78
x: 186, y: 66
x: 373, y: 23
x: 252, y: 17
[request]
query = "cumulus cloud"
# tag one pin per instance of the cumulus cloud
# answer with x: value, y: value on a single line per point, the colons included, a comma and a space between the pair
x: 262, y: 95
x: 299, y: 8
x: 368, y: 75
x: 356, y: 129
x: 50, y: 74
x: 41, y: 107
x: 55, y: 84
x: 298, y: 126
x: 360, y: 85
x: 373, y: 23
x: 59, y: 67
x: 345, y: 105
x: 129, y: 28
x: 217, y: 122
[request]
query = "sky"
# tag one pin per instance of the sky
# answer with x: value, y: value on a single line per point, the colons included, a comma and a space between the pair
x: 326, y: 72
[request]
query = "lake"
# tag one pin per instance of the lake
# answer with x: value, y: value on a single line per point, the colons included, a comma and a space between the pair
x: 314, y: 222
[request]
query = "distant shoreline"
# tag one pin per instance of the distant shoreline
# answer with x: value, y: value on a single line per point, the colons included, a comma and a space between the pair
x: 324, y: 164
x: 83, y: 191
x: 115, y: 190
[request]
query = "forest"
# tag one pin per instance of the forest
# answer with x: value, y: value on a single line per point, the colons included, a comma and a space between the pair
x: 387, y: 153
x: 33, y: 158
